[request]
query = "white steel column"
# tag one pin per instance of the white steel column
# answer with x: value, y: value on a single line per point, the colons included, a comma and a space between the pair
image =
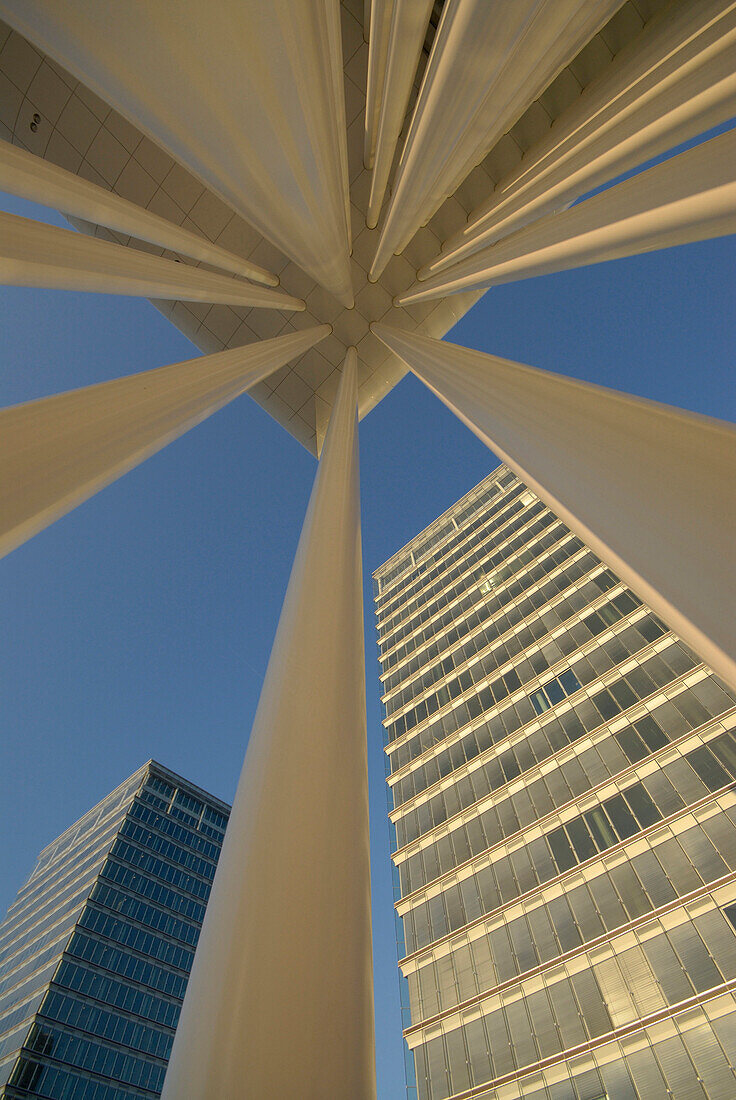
x: 649, y: 488
x: 38, y: 180
x: 248, y: 96
x: 690, y: 197
x: 59, y: 451
x: 40, y: 255
x: 674, y: 81
x: 398, y: 65
x: 490, y: 60
x: 279, y: 1003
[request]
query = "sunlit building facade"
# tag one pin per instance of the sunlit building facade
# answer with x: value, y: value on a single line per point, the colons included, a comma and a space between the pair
x: 561, y: 775
x: 96, y: 950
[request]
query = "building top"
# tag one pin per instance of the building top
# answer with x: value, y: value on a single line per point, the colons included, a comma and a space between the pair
x: 126, y: 789
x: 414, y: 551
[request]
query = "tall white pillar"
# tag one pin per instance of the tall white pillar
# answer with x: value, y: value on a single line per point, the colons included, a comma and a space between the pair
x: 672, y: 82
x: 59, y: 451
x: 399, y: 48
x: 247, y: 96
x: 690, y: 197
x: 279, y: 1003
x: 38, y: 180
x: 40, y: 255
x: 649, y: 488
x: 490, y: 60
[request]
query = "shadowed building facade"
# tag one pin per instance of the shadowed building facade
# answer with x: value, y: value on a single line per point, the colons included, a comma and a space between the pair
x: 561, y: 775
x: 96, y: 950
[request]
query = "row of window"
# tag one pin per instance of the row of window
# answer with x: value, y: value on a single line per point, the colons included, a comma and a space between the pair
x: 126, y: 965
x: 54, y: 1083
x: 67, y: 878
x: 582, y: 1006
x: 542, y: 622
x: 163, y: 824
x: 89, y: 1055
x: 584, y: 716
x: 140, y: 911
x: 150, y: 865
x: 156, y: 891
x: 617, y: 819
x: 101, y: 987
x: 136, y: 938
x: 428, y: 569
x: 521, y: 625
x: 622, y: 893
x: 415, y: 629
x: 473, y: 545
x: 61, y: 1008
x: 515, y: 613
x: 154, y: 842
x: 536, y: 799
x: 684, y: 1059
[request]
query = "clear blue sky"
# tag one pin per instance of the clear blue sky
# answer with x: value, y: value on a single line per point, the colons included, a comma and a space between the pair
x: 140, y: 625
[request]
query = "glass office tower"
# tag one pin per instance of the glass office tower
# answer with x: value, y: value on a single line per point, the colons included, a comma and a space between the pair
x: 96, y: 950
x: 563, y: 816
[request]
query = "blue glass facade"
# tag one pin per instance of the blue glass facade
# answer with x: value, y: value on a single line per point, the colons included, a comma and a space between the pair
x: 96, y: 950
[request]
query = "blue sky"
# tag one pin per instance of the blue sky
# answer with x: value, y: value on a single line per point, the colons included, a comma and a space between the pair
x: 140, y: 625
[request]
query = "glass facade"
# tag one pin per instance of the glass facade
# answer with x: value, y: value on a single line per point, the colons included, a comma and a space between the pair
x: 96, y: 950
x: 562, y: 800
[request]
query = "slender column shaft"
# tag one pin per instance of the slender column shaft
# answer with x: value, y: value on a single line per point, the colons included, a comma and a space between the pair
x: 380, y: 28
x: 674, y: 81
x: 490, y: 60
x: 691, y: 197
x: 36, y: 179
x: 648, y: 487
x: 407, y: 31
x: 248, y: 96
x: 39, y: 255
x: 57, y: 452
x: 279, y: 1002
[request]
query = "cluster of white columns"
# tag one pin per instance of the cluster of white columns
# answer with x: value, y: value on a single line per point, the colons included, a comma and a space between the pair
x: 690, y: 197
x: 249, y: 96
x: 673, y: 82
x: 490, y: 60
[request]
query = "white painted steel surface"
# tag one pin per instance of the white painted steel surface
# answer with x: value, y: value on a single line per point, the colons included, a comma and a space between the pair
x: 690, y: 197
x: 33, y: 178
x: 490, y: 60
x: 59, y: 451
x: 280, y: 1001
x: 676, y: 80
x: 248, y: 96
x: 641, y: 483
x: 40, y: 255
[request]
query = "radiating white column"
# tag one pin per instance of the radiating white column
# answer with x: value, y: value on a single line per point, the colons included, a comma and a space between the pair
x: 40, y: 255
x: 279, y: 1002
x: 649, y: 488
x: 403, y: 46
x: 690, y: 197
x: 490, y: 60
x: 58, y: 451
x: 673, y: 82
x: 380, y: 29
x: 38, y: 180
x: 249, y: 96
